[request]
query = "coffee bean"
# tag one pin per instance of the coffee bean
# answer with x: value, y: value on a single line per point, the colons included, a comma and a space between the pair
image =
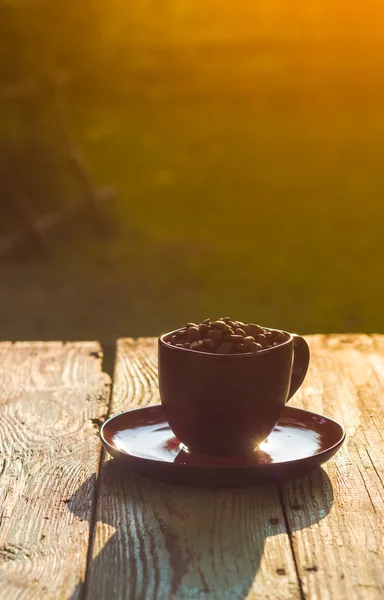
x: 240, y: 331
x: 225, y: 348
x: 219, y: 325
x: 241, y: 348
x: 248, y: 341
x: 193, y: 333
x: 232, y: 324
x: 203, y: 330
x: 187, y: 345
x: 225, y: 319
x: 218, y: 336
x: 240, y: 324
x: 209, y: 344
x: 174, y: 339
x: 191, y: 325
x: 211, y: 333
x: 207, y: 322
x: 236, y: 339
x: 198, y: 345
x: 179, y: 345
x: 261, y: 339
x: 229, y: 330
x: 253, y: 329
x: 280, y: 337
x: 256, y: 347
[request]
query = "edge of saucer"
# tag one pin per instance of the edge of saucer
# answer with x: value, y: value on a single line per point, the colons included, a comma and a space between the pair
x: 154, y: 461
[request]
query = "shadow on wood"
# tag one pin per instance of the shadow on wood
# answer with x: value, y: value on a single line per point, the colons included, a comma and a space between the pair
x: 168, y: 541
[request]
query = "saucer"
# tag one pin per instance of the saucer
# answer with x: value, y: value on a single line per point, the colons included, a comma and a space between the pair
x: 301, y: 441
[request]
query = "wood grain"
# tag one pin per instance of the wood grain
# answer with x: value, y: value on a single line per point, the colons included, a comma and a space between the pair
x: 341, y: 556
x: 156, y: 541
x: 51, y: 398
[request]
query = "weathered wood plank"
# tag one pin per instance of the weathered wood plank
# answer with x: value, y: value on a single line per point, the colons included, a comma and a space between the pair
x: 155, y: 541
x: 50, y: 396
x: 342, y: 555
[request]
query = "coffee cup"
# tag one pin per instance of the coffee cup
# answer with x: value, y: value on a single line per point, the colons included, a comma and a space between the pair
x: 227, y: 405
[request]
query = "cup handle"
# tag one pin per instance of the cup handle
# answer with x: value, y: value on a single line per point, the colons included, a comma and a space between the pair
x: 300, y: 364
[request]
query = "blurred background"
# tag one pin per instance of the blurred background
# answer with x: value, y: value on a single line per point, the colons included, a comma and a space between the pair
x: 167, y: 162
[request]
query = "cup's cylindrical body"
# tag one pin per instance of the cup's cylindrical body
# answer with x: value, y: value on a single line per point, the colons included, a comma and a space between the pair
x: 223, y: 404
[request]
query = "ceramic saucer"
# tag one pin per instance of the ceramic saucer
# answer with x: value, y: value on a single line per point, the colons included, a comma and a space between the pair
x: 301, y: 441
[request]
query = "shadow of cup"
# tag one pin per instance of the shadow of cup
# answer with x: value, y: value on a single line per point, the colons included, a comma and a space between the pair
x: 187, y: 542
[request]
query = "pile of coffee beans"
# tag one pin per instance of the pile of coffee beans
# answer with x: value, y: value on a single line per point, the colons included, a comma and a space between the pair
x: 226, y: 336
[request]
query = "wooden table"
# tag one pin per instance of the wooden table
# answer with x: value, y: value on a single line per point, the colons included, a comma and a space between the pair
x: 73, y: 525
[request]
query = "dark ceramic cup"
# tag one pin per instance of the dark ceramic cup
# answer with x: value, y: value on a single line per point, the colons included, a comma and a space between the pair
x: 228, y: 404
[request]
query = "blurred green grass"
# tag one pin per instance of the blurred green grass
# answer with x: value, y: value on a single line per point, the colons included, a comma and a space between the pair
x: 272, y: 218
x: 247, y: 185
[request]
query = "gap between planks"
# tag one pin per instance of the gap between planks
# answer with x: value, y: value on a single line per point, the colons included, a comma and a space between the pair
x: 109, y: 353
